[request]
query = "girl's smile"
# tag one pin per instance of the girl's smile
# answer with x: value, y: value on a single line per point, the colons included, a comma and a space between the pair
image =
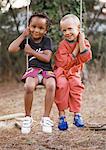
x: 69, y: 29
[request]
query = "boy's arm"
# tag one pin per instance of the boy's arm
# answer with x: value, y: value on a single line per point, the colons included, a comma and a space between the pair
x: 14, y: 46
x: 45, y: 56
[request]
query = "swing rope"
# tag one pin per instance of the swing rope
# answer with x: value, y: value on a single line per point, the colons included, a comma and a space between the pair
x: 27, y: 37
x: 80, y: 15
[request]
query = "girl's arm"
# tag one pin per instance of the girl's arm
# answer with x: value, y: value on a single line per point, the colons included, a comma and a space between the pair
x: 85, y: 53
x: 82, y: 45
x: 63, y: 57
x: 75, y: 51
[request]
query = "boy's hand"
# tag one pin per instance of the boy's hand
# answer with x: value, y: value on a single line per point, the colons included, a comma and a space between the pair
x: 26, y: 32
x: 28, y: 50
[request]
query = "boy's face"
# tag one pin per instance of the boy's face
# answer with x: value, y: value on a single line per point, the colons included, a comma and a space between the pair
x: 38, y: 28
x: 69, y: 29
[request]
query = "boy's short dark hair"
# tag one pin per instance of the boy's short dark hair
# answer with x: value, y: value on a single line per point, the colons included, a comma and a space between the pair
x: 41, y: 15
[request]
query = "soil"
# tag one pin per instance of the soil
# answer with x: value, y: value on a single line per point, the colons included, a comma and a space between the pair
x: 93, y: 111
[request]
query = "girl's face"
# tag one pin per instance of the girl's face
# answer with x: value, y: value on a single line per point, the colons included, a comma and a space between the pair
x: 69, y: 29
x: 38, y: 28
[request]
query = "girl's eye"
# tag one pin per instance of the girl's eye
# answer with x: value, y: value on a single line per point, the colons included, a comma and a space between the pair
x: 64, y: 30
x: 69, y: 28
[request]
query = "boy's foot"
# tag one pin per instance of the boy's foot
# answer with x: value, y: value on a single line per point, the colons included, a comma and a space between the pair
x: 46, y: 124
x: 78, y: 121
x: 63, y: 125
x: 26, y: 125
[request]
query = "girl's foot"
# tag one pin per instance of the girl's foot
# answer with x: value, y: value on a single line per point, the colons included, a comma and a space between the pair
x: 63, y: 125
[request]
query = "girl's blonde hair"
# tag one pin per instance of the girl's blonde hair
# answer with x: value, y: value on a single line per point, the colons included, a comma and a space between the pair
x: 72, y: 17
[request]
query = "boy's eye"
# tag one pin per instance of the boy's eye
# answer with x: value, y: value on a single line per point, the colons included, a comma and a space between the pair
x: 40, y: 27
x: 34, y: 26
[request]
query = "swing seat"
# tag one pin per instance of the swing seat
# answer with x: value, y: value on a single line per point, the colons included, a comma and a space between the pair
x: 40, y: 86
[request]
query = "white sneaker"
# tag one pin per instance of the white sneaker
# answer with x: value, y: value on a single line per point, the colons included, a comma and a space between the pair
x: 46, y: 124
x: 26, y: 125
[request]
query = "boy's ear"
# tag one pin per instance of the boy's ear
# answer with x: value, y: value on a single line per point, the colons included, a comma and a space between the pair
x: 45, y: 32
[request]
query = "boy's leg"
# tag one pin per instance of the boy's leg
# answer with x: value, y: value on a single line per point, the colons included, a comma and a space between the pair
x: 46, y: 122
x: 50, y: 95
x: 28, y: 97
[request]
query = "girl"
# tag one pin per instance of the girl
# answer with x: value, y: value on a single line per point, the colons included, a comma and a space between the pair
x: 73, y: 51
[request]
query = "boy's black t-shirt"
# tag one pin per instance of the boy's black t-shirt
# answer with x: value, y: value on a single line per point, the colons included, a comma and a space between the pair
x: 45, y: 44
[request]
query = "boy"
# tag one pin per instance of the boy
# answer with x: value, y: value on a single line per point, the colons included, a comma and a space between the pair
x: 39, y: 50
x: 73, y: 51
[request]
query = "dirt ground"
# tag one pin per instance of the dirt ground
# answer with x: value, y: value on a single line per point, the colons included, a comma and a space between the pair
x: 93, y: 110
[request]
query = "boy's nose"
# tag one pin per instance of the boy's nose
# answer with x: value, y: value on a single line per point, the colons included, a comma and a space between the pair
x: 36, y: 30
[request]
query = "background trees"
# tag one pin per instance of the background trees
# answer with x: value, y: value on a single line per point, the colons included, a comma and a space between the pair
x: 13, y: 22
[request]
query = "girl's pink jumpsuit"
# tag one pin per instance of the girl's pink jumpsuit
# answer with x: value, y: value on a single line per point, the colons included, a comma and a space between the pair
x: 67, y: 70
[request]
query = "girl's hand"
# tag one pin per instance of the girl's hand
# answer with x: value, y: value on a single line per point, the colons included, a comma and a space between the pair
x: 26, y: 32
x: 81, y: 37
x: 28, y: 50
x: 81, y: 41
x: 76, y: 50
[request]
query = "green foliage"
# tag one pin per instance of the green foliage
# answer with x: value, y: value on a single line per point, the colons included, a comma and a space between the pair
x: 9, y: 65
x: 55, y: 10
x: 14, y: 19
x: 98, y: 48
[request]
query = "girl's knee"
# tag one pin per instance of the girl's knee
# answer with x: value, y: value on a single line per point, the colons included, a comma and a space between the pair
x: 62, y: 83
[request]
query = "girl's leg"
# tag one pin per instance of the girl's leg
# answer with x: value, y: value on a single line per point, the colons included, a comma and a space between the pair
x: 62, y: 125
x: 62, y: 97
x: 76, y: 89
x: 61, y: 113
x: 62, y: 94
x: 28, y: 97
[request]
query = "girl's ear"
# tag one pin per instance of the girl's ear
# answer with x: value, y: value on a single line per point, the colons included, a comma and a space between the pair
x: 79, y: 27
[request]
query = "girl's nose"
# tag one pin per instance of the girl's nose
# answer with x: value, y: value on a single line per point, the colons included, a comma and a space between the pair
x: 67, y: 32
